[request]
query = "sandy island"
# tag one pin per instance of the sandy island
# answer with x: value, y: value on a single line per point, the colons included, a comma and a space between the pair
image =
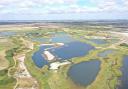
x: 48, y: 56
x: 56, y: 65
x: 53, y: 44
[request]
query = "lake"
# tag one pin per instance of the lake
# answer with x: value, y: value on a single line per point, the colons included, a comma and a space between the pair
x: 40, y: 39
x: 37, y: 57
x: 68, y: 51
x: 124, y: 77
x: 72, y: 49
x: 98, y: 41
x: 62, y: 38
x: 84, y: 73
x: 105, y: 53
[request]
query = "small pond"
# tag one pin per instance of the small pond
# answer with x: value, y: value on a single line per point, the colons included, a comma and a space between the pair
x: 62, y: 38
x: 105, y: 53
x: 98, y: 41
x: 41, y: 39
x: 84, y: 73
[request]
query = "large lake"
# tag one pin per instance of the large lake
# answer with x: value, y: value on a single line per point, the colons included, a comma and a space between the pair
x: 84, y: 73
x: 72, y: 49
x: 68, y: 51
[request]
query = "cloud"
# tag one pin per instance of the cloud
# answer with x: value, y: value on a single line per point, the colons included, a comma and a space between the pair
x: 59, y: 6
x: 125, y: 3
x: 107, y: 5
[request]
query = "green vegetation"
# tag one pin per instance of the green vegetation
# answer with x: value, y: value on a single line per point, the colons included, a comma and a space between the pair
x: 124, y: 44
x: 9, y: 56
x: 109, y: 73
x: 47, y: 79
x: 6, y: 82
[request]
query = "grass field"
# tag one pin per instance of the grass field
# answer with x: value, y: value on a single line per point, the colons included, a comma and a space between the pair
x: 6, y: 81
x: 7, y: 52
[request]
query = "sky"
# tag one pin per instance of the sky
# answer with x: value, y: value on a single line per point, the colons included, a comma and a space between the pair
x: 63, y: 9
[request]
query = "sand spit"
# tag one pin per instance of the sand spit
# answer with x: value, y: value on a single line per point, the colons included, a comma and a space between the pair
x: 49, y: 56
x: 56, y: 65
x: 47, y: 45
x: 59, y: 44
x: 53, y: 44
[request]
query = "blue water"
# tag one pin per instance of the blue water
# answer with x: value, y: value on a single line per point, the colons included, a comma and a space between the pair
x: 70, y: 50
x: 84, y: 73
x: 7, y: 33
x: 124, y: 77
x: 62, y: 38
x: 105, y: 53
x: 98, y: 41
x: 41, y: 39
x: 38, y: 59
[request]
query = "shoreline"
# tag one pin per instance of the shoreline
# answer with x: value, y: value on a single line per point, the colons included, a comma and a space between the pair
x: 48, y: 55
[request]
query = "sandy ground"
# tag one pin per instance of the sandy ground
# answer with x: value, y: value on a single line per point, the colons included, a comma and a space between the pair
x: 123, y: 36
x: 46, y: 44
x: 59, y: 44
x: 119, y: 33
x: 23, y: 70
x: 49, y: 56
x: 56, y: 65
x: 53, y: 44
x: 24, y: 78
x: 27, y: 83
